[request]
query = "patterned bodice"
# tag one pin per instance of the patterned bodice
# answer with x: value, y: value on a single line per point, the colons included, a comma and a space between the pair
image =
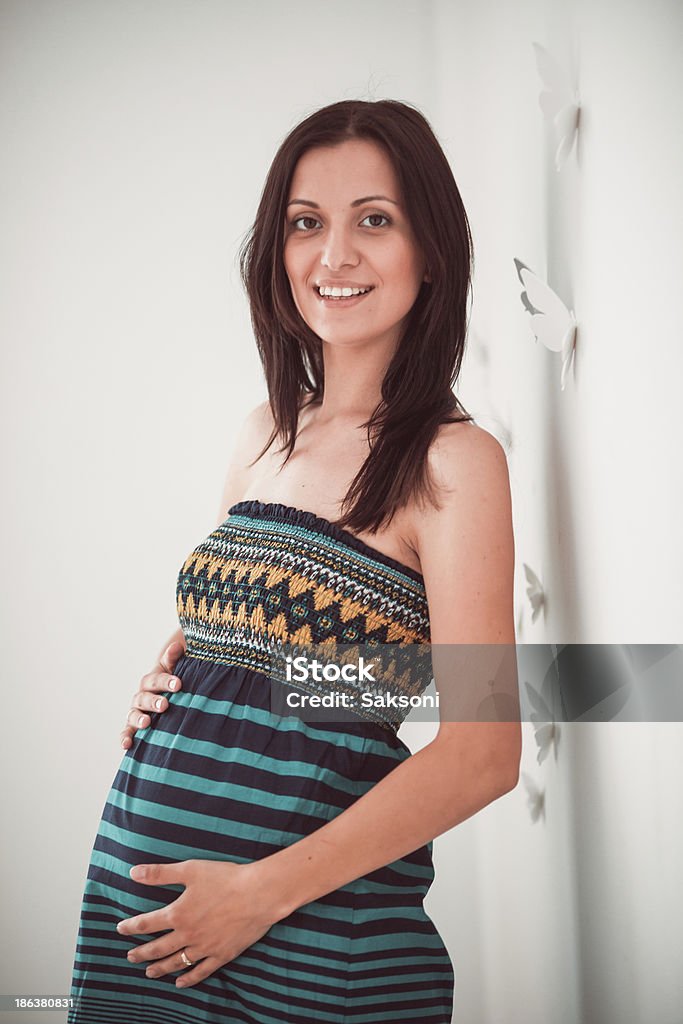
x: 272, y: 575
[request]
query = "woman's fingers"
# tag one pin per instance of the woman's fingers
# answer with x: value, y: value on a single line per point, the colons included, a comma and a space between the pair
x: 148, y: 699
x: 159, y: 682
x: 147, y: 702
x: 166, y: 949
x: 137, y: 719
x: 127, y: 737
x: 171, y: 964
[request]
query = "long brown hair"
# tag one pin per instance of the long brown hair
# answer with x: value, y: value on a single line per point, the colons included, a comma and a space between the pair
x: 417, y: 387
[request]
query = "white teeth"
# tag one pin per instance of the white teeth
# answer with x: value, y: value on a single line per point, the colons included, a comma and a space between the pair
x: 338, y: 293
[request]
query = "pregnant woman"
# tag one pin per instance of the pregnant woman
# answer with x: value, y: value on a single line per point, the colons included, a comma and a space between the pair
x: 258, y: 867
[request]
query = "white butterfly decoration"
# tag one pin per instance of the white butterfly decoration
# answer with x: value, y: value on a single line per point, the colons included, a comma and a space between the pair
x: 535, y: 798
x: 547, y: 731
x: 559, y: 102
x: 535, y: 592
x: 552, y: 323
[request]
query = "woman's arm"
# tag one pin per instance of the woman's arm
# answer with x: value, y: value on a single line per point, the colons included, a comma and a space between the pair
x: 438, y: 787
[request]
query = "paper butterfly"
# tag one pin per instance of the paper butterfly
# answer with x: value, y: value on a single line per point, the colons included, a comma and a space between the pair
x: 535, y: 798
x: 559, y: 102
x: 552, y: 323
x: 534, y: 591
x: 547, y: 731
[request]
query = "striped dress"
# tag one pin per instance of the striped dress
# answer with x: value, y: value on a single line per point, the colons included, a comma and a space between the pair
x: 220, y: 776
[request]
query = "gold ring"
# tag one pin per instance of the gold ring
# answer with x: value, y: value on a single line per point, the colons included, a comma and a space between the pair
x: 183, y: 957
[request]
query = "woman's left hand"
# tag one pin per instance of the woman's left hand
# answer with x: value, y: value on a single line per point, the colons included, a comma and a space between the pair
x: 224, y: 909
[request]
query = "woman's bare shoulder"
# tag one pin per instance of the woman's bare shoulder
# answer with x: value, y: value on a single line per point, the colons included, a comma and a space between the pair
x: 249, y: 440
x: 257, y: 426
x: 461, y: 448
x: 460, y: 454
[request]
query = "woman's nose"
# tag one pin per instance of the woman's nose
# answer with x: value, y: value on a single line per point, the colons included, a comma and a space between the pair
x: 338, y: 249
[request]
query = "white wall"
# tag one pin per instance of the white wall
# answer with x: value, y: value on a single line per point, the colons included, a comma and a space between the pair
x: 138, y: 135
x: 578, y: 917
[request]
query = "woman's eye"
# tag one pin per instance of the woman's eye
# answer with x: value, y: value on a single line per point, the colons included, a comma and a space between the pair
x: 382, y: 216
x: 297, y: 219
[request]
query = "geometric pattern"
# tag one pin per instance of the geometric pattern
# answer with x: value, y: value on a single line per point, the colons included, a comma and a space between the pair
x: 273, y: 575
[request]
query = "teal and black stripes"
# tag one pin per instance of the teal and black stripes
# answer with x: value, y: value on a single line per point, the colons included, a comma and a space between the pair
x: 218, y: 776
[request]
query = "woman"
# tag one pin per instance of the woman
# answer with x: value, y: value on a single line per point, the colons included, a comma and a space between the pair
x: 258, y: 868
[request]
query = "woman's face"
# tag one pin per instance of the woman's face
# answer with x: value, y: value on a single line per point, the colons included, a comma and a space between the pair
x: 339, y: 232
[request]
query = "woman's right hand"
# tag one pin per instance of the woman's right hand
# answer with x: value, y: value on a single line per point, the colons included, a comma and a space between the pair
x: 147, y: 699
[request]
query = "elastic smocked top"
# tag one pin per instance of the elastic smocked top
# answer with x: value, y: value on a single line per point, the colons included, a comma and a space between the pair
x: 318, y: 524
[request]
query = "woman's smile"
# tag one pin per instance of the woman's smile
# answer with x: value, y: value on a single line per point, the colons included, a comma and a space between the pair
x: 342, y: 296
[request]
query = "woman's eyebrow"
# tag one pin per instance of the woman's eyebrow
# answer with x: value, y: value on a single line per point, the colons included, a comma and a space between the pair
x: 356, y: 202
